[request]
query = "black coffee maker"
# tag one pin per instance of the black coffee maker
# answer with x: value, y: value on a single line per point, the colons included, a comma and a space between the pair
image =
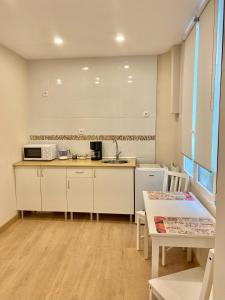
x: 96, y: 150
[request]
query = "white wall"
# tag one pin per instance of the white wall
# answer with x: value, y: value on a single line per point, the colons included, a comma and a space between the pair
x: 219, y: 286
x: 113, y: 107
x: 13, y: 128
x: 167, y: 124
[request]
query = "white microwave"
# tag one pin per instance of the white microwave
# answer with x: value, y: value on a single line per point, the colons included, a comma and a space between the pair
x: 39, y: 152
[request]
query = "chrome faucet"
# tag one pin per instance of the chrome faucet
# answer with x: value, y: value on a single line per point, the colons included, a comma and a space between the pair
x: 117, y: 149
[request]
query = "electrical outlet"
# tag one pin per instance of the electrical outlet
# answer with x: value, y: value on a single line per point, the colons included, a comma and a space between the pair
x: 146, y: 114
x: 81, y: 131
x: 45, y: 93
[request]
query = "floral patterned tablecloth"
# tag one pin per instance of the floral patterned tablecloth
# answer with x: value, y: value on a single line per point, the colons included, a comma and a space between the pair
x: 170, y: 196
x: 184, y: 225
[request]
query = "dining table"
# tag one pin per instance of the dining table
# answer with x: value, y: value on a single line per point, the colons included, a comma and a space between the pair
x: 177, y: 220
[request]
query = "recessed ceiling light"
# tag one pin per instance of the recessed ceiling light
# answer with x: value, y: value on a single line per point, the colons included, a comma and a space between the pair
x: 130, y: 81
x: 120, y: 38
x: 130, y: 77
x: 59, y: 81
x: 97, y: 78
x: 126, y: 67
x: 97, y: 82
x: 85, y: 68
x: 58, y: 40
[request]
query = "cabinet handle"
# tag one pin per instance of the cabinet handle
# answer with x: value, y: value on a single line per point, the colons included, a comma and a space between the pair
x: 151, y: 175
x: 79, y: 172
x: 37, y: 172
x: 42, y: 173
x: 68, y: 184
x: 94, y: 173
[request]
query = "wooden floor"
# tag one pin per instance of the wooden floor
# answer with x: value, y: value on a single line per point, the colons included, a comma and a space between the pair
x: 44, y: 257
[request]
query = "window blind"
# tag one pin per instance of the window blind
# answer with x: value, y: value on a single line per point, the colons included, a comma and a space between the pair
x: 205, y: 90
x: 187, y: 93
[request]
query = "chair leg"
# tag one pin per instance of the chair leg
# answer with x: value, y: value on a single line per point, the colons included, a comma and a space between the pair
x: 189, y: 254
x: 163, y: 256
x: 138, y: 233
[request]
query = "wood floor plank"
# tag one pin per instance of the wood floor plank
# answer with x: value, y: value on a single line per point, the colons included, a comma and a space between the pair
x: 50, y: 259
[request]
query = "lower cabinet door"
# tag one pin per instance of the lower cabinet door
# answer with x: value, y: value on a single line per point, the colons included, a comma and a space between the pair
x: 80, y: 194
x: 28, y: 188
x: 53, y: 189
x: 114, y: 191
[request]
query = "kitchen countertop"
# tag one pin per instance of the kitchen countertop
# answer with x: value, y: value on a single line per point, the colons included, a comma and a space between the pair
x: 75, y: 163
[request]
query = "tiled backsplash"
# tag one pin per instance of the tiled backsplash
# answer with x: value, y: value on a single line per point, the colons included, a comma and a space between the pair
x: 92, y: 137
x: 140, y: 147
x: 117, y: 105
x: 72, y: 106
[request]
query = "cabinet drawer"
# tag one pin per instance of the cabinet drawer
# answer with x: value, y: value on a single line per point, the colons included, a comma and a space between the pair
x: 74, y: 173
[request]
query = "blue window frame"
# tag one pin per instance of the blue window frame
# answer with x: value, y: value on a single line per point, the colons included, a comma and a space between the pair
x: 188, y: 165
x: 205, y: 178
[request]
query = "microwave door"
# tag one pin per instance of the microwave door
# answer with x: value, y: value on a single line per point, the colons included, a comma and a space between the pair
x: 32, y: 153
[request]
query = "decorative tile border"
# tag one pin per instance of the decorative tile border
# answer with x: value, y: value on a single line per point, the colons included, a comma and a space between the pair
x: 92, y: 137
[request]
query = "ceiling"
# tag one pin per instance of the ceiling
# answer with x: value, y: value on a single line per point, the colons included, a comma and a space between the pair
x: 88, y: 27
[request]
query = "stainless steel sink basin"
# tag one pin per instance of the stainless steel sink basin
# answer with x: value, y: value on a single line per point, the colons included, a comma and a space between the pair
x: 115, y: 161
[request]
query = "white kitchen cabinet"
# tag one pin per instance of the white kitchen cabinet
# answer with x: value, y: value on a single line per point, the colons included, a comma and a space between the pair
x: 114, y: 191
x: 80, y: 190
x: 53, y: 189
x: 101, y: 190
x: 28, y: 188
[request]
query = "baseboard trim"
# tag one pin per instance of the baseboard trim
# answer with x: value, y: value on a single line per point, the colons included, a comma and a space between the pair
x: 9, y: 223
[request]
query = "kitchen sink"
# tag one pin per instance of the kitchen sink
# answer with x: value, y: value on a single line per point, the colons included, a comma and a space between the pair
x: 115, y: 161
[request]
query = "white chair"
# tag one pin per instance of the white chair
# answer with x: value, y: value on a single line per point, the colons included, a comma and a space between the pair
x: 140, y: 219
x: 142, y: 234
x: 175, y: 182
x: 192, y: 284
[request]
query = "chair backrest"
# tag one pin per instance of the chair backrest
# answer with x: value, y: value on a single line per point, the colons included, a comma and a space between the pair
x: 175, y: 182
x: 208, y: 277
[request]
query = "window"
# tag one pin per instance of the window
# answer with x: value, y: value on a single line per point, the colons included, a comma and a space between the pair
x: 188, y: 166
x: 201, y: 85
x: 205, y: 178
